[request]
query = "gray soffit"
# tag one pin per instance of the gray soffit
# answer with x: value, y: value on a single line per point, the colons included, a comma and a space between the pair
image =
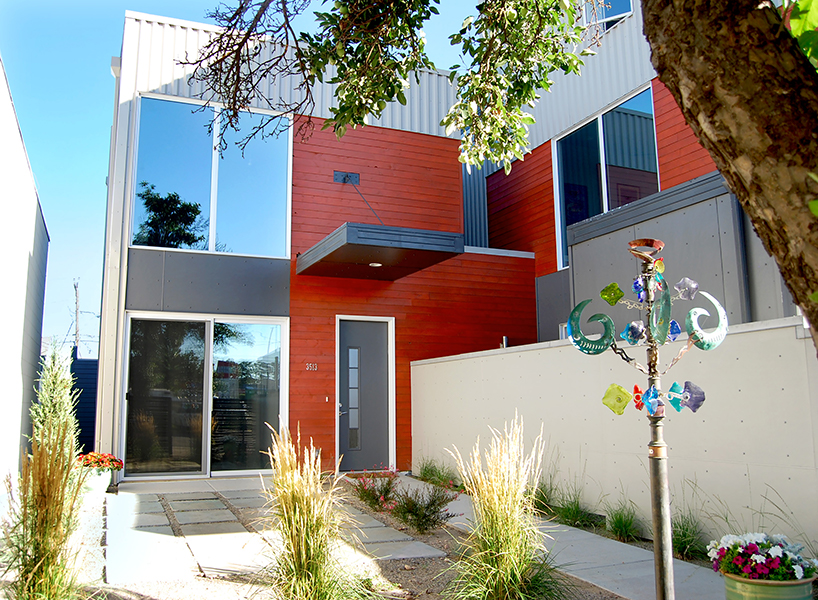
x: 353, y: 247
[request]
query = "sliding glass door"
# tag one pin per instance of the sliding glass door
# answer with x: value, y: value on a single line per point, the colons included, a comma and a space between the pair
x: 246, y: 394
x: 201, y: 393
x: 165, y: 397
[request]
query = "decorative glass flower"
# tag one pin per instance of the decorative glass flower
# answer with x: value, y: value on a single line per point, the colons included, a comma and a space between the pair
x: 633, y: 333
x: 674, y: 331
x: 616, y: 398
x: 611, y: 293
x: 659, y: 265
x: 693, y: 396
x: 637, y: 397
x: 652, y: 400
x: 638, y: 288
x: 687, y: 288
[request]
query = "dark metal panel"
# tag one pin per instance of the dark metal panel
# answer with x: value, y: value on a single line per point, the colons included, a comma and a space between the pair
x: 350, y: 250
x: 370, y: 338
x: 85, y: 372
x: 146, y: 272
x: 475, y: 209
x: 176, y: 281
x: 553, y: 304
x: 225, y: 284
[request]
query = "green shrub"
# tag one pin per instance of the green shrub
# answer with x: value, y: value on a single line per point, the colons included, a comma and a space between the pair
x: 376, y: 490
x: 43, y: 505
x: 304, y: 508
x: 41, y: 517
x: 423, y: 509
x: 438, y: 473
x: 621, y: 520
x: 504, y: 556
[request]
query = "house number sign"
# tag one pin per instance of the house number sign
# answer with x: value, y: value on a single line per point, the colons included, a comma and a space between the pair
x: 312, y: 367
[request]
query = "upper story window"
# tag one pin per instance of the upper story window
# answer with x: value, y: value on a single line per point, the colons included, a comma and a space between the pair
x: 623, y: 140
x: 608, y: 13
x: 189, y: 197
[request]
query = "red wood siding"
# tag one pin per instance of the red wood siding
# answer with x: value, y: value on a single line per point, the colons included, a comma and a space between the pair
x: 681, y: 157
x: 462, y: 305
x: 521, y: 209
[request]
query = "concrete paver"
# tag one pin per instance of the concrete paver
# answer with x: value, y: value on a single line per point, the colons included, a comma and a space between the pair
x: 142, y: 545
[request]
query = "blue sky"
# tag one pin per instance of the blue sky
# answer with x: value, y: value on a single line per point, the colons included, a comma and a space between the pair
x: 57, y: 58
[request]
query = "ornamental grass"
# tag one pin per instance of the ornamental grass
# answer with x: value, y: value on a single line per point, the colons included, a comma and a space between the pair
x: 304, y: 507
x: 505, y: 557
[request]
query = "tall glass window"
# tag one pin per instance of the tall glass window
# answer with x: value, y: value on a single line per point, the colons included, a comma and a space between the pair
x: 246, y: 394
x: 190, y: 196
x: 626, y: 148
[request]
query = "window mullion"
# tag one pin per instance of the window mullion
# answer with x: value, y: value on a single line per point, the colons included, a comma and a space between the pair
x: 603, y: 175
x: 214, y: 180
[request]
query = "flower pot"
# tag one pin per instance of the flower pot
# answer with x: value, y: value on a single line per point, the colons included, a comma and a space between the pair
x: 739, y: 588
x: 97, y: 482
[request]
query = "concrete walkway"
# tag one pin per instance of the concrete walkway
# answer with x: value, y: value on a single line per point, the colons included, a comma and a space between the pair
x: 620, y: 568
x: 172, y: 531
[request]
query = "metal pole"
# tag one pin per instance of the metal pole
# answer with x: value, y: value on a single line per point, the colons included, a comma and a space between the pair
x: 657, y: 454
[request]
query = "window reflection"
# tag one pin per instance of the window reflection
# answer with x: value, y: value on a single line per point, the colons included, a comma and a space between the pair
x: 246, y: 394
x: 173, y: 175
x: 165, y: 397
x: 630, y: 172
x: 178, y: 160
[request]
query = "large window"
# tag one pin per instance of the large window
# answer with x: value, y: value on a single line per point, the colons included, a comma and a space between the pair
x: 608, y: 13
x: 190, y: 196
x: 623, y: 141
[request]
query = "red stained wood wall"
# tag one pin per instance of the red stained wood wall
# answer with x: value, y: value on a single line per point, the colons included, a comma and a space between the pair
x: 681, y: 157
x: 521, y: 209
x: 464, y: 304
x: 521, y: 204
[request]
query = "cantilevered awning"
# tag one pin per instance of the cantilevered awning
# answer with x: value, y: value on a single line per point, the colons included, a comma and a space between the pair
x: 361, y: 251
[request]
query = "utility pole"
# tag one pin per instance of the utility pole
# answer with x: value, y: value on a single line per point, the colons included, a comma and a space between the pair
x: 77, y: 316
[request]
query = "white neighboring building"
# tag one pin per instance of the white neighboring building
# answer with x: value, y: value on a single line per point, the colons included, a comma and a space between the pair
x: 25, y: 250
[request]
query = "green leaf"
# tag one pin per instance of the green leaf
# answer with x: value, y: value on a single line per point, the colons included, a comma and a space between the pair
x: 401, y: 97
x: 804, y: 17
x: 813, y: 207
x: 813, y: 296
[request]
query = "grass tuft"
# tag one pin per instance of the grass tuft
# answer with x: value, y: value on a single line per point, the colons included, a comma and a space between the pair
x: 686, y: 535
x: 437, y: 473
x: 304, y: 506
x: 621, y: 520
x: 505, y: 557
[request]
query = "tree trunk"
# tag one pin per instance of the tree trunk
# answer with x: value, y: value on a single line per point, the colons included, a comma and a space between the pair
x: 751, y: 97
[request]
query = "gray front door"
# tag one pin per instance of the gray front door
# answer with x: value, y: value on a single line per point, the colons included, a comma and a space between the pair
x: 363, y: 422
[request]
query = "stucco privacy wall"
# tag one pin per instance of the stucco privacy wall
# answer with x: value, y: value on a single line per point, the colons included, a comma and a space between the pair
x: 757, y: 428
x: 25, y: 249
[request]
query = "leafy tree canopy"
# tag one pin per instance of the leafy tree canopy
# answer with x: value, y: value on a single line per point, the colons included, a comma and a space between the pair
x: 171, y: 222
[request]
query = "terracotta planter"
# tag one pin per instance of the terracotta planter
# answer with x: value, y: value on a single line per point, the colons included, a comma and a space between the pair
x: 738, y: 588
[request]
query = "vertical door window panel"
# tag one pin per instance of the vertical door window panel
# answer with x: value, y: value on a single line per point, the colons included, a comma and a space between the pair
x: 252, y: 193
x: 354, y: 421
x: 630, y: 151
x: 579, y: 177
x: 173, y: 172
x: 165, y: 397
x: 246, y: 394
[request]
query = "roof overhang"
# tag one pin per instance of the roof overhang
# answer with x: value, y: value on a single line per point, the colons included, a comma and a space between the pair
x: 355, y: 250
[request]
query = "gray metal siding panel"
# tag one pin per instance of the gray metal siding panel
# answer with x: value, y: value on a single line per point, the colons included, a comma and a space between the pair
x: 475, y: 209
x: 553, y: 304
x: 654, y: 206
x: 164, y: 42
x: 769, y: 297
x: 207, y: 283
x: 146, y: 276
